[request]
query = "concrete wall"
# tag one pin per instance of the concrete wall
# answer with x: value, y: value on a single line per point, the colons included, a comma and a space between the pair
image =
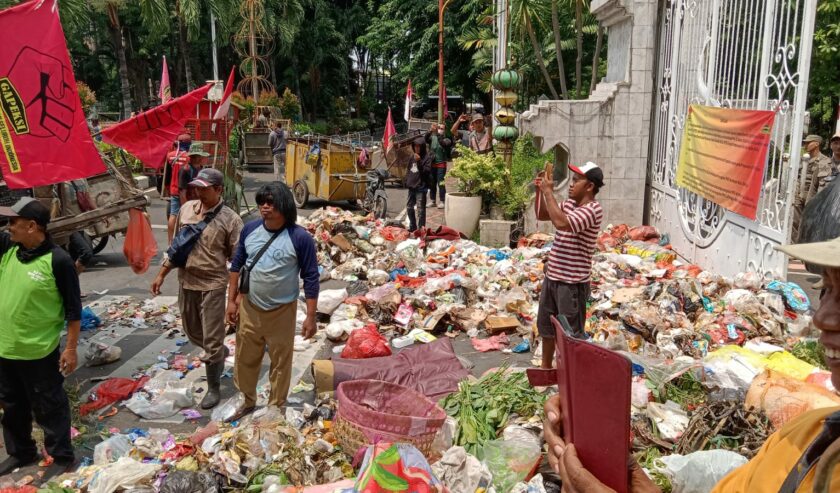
x: 612, y: 127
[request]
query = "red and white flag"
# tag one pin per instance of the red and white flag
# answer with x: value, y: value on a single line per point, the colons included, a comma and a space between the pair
x: 224, y: 106
x: 149, y: 135
x: 43, y: 133
x: 409, y: 94
x: 165, y: 92
x: 390, y: 132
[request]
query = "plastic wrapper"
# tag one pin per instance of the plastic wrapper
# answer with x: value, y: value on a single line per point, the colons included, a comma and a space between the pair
x: 535, y: 485
x: 139, y: 247
x: 783, y: 398
x: 700, y: 471
x: 643, y: 233
x: 511, y: 461
x: 330, y: 299
x: 337, y: 331
x: 793, y: 295
x: 377, y: 277
x: 111, y: 449
x: 189, y: 482
x: 670, y: 419
x: 122, y: 473
x: 89, y: 319
x: 462, y: 472
x: 111, y: 391
x: 366, y: 342
x: 748, y: 280
x: 226, y: 410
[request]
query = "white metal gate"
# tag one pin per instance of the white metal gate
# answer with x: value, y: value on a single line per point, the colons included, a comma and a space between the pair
x: 746, y: 54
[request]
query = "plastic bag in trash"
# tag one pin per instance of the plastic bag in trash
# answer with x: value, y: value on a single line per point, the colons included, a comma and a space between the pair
x: 336, y: 331
x: 122, y: 473
x: 330, y: 299
x: 669, y: 418
x: 511, y: 461
x: 111, y: 449
x: 101, y: 354
x: 89, y: 319
x: 366, y: 342
x: 159, y: 408
x: 394, y: 467
x: 698, y: 472
x: 226, y: 411
x: 189, y: 482
x: 535, y: 485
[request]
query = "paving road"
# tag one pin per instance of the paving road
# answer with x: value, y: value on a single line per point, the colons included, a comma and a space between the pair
x: 111, y: 285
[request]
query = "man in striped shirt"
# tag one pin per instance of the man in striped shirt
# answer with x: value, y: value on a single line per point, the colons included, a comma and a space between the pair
x: 565, y: 288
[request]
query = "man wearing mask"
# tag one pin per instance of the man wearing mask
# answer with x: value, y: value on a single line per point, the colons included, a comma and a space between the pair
x: 203, y: 281
x: 440, y: 147
x: 33, y: 313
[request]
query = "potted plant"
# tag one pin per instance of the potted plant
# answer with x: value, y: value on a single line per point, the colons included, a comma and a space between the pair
x: 480, y: 179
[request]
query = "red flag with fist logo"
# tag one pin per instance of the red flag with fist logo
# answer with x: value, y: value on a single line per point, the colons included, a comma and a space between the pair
x: 43, y: 132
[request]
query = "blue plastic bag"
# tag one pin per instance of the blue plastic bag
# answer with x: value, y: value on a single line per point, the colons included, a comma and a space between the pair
x: 89, y: 319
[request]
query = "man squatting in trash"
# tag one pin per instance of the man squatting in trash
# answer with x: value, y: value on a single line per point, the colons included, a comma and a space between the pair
x: 202, y: 284
x: 267, y: 314
x: 565, y: 288
x: 32, y: 315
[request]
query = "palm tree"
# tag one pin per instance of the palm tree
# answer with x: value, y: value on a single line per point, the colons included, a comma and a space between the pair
x: 579, y: 36
x: 555, y: 25
x: 523, y: 15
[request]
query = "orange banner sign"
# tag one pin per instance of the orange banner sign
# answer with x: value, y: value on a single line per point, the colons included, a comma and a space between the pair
x: 723, y: 155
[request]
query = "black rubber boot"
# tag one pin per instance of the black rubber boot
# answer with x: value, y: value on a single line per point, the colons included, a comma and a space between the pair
x: 214, y: 377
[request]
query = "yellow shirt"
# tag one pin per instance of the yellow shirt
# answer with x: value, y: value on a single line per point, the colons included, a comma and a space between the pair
x: 766, y: 472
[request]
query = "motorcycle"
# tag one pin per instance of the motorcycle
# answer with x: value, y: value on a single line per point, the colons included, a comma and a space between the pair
x: 376, y: 198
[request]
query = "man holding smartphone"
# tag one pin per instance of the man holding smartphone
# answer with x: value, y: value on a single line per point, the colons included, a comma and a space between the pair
x: 565, y: 288
x: 45, y: 296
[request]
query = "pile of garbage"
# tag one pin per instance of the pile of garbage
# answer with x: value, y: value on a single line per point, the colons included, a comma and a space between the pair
x: 271, y: 447
x: 711, y: 355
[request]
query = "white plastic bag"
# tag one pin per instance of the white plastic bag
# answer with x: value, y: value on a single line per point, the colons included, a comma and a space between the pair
x: 330, y: 299
x: 670, y: 419
x: 111, y: 449
x: 698, y: 472
x: 124, y: 472
x: 377, y: 277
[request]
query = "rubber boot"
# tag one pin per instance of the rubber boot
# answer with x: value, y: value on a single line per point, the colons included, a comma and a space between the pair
x: 214, y: 377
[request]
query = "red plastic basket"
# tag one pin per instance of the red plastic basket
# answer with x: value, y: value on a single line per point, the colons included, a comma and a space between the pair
x: 389, y: 408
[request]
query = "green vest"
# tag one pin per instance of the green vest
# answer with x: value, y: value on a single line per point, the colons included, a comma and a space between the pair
x: 31, y: 308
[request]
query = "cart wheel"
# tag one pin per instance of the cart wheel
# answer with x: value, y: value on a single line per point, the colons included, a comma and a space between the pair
x: 301, y: 193
x: 380, y: 207
x: 99, y: 244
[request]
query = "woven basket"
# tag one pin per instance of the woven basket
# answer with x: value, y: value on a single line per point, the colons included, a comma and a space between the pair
x: 389, y: 408
x: 354, y: 438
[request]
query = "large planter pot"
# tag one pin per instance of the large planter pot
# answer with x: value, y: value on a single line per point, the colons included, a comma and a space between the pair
x: 462, y: 212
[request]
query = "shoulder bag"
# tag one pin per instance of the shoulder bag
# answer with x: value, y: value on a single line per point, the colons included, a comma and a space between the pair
x: 245, y: 271
x: 186, y: 238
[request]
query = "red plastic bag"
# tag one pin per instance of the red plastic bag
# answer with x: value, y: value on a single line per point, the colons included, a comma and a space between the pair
x: 111, y: 391
x: 22, y: 489
x: 140, y: 246
x: 644, y: 233
x: 366, y: 342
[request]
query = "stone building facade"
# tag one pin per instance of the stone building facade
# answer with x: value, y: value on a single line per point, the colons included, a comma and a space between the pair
x: 612, y: 127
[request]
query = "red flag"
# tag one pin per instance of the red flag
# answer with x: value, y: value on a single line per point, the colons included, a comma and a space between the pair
x: 165, y: 93
x: 43, y: 132
x: 149, y: 135
x: 409, y: 94
x: 224, y: 106
x: 390, y: 132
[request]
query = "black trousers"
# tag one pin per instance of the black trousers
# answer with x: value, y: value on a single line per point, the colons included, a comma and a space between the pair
x: 35, y: 387
x: 416, y: 197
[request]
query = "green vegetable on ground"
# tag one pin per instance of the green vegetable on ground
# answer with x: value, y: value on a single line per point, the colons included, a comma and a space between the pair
x: 482, y: 408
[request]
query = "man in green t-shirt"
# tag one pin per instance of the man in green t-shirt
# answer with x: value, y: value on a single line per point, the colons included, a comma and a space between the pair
x: 41, y: 294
